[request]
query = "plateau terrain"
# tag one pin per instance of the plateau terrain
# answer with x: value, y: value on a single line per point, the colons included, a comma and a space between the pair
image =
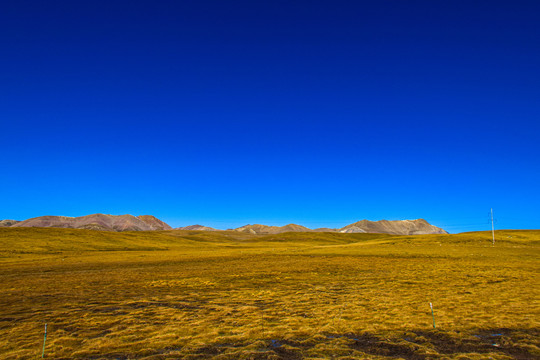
x: 187, y: 294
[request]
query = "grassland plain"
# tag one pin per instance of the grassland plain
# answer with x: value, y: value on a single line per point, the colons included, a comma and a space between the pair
x: 230, y: 295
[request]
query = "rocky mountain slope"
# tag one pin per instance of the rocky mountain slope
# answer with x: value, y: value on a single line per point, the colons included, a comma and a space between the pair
x: 397, y: 227
x: 154, y: 222
x: 98, y: 222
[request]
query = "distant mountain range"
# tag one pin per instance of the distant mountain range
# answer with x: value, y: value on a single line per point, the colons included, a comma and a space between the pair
x: 149, y: 222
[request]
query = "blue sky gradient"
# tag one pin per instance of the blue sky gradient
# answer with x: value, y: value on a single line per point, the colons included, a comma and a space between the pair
x: 320, y: 113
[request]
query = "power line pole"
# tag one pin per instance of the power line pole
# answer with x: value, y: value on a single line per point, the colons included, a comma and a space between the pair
x: 492, y: 227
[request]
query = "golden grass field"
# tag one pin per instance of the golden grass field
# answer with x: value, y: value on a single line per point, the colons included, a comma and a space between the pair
x: 229, y: 295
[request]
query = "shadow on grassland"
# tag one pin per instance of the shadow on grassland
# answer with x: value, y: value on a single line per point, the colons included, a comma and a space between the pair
x: 411, y: 345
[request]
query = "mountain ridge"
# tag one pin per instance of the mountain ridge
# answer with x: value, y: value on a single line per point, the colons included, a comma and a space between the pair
x: 395, y: 227
x: 103, y: 222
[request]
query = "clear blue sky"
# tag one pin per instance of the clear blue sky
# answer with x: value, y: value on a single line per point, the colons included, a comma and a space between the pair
x: 224, y: 113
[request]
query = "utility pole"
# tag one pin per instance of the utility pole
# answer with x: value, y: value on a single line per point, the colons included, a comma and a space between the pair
x: 492, y: 227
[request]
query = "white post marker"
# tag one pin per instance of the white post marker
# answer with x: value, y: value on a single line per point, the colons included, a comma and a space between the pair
x: 432, y: 315
x: 44, y: 341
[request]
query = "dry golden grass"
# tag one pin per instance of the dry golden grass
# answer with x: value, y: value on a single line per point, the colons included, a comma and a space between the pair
x: 227, y: 295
